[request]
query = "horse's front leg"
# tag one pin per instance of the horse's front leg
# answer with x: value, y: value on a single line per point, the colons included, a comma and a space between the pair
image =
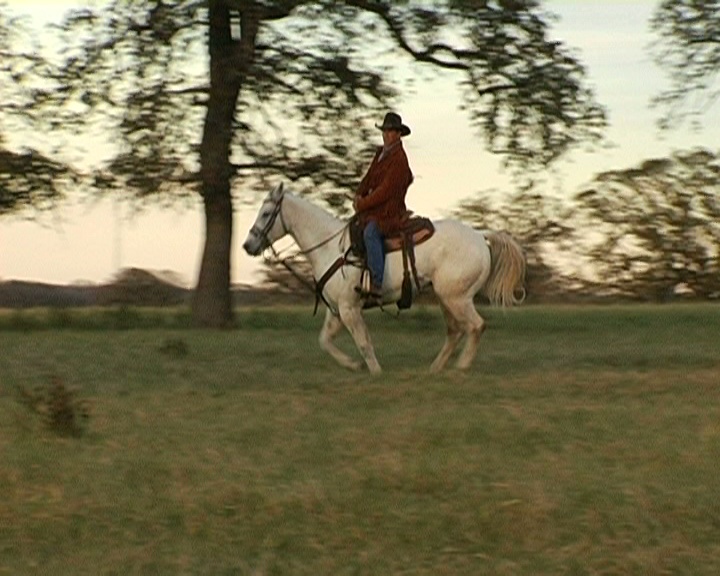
x: 331, y: 327
x: 351, y: 316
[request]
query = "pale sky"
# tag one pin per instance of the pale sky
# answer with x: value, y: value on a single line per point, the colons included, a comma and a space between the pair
x: 91, y: 242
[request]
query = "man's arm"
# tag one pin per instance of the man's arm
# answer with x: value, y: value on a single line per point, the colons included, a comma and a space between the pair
x: 363, y: 188
x: 394, y: 182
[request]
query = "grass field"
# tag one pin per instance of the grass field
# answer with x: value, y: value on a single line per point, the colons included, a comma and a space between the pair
x: 584, y: 440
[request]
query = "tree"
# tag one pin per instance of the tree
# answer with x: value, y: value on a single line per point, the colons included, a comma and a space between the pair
x: 688, y: 48
x: 536, y: 221
x: 657, y: 226
x: 29, y: 180
x: 294, y: 87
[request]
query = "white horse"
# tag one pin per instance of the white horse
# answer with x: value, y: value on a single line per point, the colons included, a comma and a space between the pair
x: 457, y: 261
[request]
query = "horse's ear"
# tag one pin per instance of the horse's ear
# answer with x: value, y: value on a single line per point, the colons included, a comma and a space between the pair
x: 277, y: 191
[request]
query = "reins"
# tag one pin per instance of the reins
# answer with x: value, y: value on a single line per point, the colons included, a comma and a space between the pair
x: 316, y: 286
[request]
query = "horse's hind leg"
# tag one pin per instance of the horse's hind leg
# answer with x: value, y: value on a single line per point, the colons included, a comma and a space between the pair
x: 473, y: 326
x: 353, y: 320
x: 330, y: 328
x: 451, y: 341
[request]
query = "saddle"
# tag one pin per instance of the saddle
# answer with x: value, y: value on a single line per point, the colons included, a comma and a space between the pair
x: 415, y: 230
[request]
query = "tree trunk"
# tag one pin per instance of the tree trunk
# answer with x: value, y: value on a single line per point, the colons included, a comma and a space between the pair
x: 212, y: 305
x: 212, y: 301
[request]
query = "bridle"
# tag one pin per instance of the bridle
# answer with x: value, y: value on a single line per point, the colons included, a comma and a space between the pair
x: 316, y: 286
x: 262, y: 233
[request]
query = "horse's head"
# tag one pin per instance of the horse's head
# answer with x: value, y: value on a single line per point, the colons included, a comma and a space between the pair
x: 267, y: 227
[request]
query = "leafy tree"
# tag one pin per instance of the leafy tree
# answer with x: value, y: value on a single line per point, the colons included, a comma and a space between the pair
x: 294, y: 88
x: 657, y: 226
x: 688, y: 48
x: 29, y: 179
x: 536, y: 221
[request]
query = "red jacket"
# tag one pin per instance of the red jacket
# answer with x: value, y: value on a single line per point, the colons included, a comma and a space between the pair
x: 381, y: 194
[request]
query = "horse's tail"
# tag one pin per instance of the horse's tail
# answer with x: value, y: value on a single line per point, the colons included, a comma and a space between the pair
x: 505, y: 285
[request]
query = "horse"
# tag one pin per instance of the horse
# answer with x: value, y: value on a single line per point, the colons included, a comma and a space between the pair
x: 458, y: 261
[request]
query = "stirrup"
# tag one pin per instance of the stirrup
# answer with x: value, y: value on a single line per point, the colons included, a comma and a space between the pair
x: 368, y: 293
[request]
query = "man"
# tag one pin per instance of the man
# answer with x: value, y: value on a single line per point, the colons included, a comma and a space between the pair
x: 380, y: 198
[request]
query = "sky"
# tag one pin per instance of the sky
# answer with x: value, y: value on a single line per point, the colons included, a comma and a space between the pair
x: 89, y: 243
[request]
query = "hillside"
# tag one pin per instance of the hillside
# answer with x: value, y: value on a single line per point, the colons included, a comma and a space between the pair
x: 131, y: 287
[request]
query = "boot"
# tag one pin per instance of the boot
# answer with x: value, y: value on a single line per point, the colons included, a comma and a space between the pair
x: 373, y: 298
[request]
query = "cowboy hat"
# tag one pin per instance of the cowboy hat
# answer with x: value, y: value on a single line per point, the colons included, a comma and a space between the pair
x: 393, y: 121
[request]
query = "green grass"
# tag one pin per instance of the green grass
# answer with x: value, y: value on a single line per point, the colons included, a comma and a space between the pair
x: 583, y: 441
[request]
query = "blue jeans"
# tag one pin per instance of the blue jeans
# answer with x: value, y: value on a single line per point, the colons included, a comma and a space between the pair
x: 375, y: 249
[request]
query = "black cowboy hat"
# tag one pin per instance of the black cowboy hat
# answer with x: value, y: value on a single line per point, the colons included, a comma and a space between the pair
x: 393, y: 121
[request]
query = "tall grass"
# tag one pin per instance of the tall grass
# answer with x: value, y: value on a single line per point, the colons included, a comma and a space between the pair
x: 583, y: 441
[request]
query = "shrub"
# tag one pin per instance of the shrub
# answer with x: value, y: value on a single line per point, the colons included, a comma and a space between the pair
x: 62, y: 412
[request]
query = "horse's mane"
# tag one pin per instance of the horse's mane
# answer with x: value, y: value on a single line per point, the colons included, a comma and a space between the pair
x: 323, y: 216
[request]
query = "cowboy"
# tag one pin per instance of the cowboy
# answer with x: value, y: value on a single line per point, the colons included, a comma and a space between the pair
x: 380, y: 198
